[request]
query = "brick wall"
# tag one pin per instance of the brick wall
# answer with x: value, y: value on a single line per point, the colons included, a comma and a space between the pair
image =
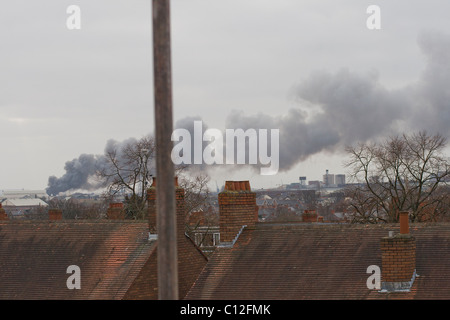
x: 237, y: 207
x: 398, y: 258
x: 3, y: 215
x: 55, y: 214
x: 309, y: 216
x: 180, y: 209
x: 151, y: 210
x: 116, y: 211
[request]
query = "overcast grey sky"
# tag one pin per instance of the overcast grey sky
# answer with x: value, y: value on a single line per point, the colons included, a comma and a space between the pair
x: 311, y: 67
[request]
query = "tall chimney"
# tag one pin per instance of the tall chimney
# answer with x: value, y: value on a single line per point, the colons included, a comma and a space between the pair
x: 181, y: 214
x: 151, y: 202
x: 309, y: 216
x: 404, y: 222
x: 54, y: 214
x: 186, y: 263
x: 398, y: 258
x: 180, y: 209
x: 116, y: 211
x: 3, y: 215
x: 237, y: 207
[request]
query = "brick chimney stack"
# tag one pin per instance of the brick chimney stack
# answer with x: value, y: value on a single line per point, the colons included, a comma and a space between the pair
x: 309, y: 216
x: 3, y: 215
x: 116, y: 211
x: 55, y: 214
x: 404, y: 222
x: 190, y: 259
x: 151, y: 210
x: 398, y: 258
x: 237, y: 207
x: 180, y: 209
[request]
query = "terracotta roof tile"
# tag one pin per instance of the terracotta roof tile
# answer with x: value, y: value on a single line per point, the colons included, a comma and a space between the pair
x: 34, y: 256
x: 320, y: 261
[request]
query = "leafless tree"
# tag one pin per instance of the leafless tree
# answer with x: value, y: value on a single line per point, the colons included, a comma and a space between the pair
x: 79, y: 208
x: 283, y: 213
x: 403, y: 173
x: 196, y: 190
x: 71, y: 209
x: 127, y: 173
x: 196, y: 197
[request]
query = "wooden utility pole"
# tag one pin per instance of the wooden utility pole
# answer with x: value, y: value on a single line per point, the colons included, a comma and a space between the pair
x: 165, y: 188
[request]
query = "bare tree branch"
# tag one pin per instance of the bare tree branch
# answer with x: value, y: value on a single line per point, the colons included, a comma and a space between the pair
x: 402, y: 173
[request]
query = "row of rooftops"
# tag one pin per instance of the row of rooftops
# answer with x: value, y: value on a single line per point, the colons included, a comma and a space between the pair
x: 264, y: 261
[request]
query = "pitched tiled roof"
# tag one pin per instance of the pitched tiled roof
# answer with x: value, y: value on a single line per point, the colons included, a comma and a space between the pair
x: 24, y: 202
x: 190, y: 263
x: 320, y: 261
x: 34, y: 256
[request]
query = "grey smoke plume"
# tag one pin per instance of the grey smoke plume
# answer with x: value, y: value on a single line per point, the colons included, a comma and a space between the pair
x: 343, y: 108
x: 431, y: 93
x: 335, y: 109
x: 188, y: 124
x: 351, y: 107
x: 81, y: 173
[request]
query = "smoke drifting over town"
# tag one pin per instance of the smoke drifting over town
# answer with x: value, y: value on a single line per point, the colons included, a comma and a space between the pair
x: 335, y: 109
x: 344, y: 108
x: 81, y: 173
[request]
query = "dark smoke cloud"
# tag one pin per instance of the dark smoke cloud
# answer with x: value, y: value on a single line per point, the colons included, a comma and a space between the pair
x: 188, y: 124
x: 335, y: 109
x: 431, y: 94
x: 350, y: 107
x: 80, y: 174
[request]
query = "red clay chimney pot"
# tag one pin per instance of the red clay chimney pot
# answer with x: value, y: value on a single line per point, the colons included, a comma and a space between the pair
x: 404, y: 222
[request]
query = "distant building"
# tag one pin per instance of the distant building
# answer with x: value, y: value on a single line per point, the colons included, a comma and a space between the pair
x: 19, y: 194
x: 339, y: 179
x: 21, y: 206
x: 328, y: 179
x: 314, y: 183
x: 302, y: 180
